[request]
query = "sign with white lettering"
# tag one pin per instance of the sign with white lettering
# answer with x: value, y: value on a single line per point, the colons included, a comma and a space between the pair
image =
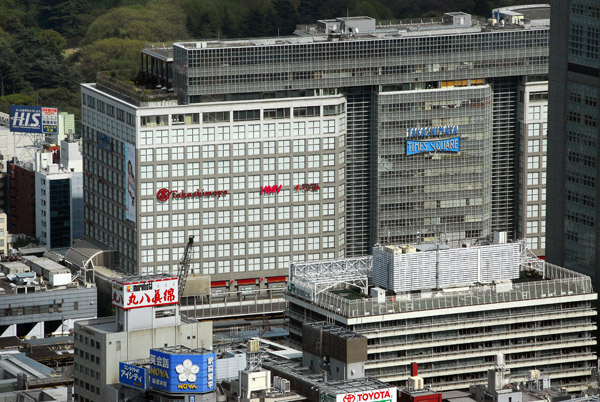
x: 33, y: 119
x: 132, y: 375
x: 182, y: 372
x: 442, y: 145
x: 377, y: 395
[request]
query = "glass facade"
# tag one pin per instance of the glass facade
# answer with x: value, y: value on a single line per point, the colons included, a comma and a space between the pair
x: 444, y: 194
x: 60, y: 212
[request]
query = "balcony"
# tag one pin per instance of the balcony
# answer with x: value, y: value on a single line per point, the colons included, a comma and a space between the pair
x: 121, y: 85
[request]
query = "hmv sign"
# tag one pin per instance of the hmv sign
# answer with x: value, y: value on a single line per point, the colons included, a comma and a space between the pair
x: 33, y: 119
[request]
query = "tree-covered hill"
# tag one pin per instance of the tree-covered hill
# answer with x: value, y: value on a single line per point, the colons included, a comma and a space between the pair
x: 47, y: 47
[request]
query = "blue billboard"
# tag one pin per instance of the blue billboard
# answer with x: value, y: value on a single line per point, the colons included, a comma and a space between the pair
x: 134, y: 376
x: 33, y: 119
x: 179, y: 373
x: 445, y: 145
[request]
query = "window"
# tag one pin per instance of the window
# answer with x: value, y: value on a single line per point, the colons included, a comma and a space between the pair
x: 215, y: 117
x: 177, y: 169
x: 533, y: 146
x: 299, y: 145
x: 329, y: 143
x: 223, y: 133
x: 246, y: 115
x: 314, y: 145
x: 298, y: 211
x: 532, y: 211
x: 146, y: 138
x: 269, y: 213
x: 532, y: 243
x: 208, y: 134
x: 299, y: 128
x: 253, y: 165
x: 313, y: 161
x: 239, y: 149
x: 328, y: 126
x: 193, y: 135
x: 239, y: 132
x: 313, y: 211
x: 177, y: 153
x: 208, y: 151
x: 532, y: 194
x: 162, y: 171
x: 314, y: 127
x: 280, y: 113
x: 239, y: 232
x: 533, y: 162
x: 223, y: 150
x: 284, y: 146
x: 268, y: 164
x: 239, y: 265
x: 208, y: 168
x: 532, y: 227
x: 298, y: 244
x: 161, y: 137
x: 254, y: 215
x: 208, y: 218
x: 283, y: 130
x: 313, y: 227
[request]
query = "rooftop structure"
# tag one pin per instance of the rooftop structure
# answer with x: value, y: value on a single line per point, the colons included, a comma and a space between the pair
x: 40, y: 298
x: 455, y: 330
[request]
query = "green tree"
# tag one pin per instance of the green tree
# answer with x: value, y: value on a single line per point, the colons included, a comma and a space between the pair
x: 156, y: 21
x: 286, y: 16
x: 107, y: 55
x: 62, y: 16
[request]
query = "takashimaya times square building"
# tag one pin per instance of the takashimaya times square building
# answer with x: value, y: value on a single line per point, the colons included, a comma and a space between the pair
x: 320, y: 145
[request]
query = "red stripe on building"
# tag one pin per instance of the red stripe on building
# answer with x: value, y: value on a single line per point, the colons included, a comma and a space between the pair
x: 246, y: 281
x: 274, y: 279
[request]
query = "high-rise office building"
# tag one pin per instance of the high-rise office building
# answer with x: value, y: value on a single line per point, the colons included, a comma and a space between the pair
x: 574, y: 92
x: 384, y: 134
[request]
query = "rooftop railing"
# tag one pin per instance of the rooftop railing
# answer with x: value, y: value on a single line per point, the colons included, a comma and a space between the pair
x: 559, y: 282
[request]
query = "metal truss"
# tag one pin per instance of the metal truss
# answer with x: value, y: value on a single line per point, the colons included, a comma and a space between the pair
x: 323, y: 275
x: 531, y: 262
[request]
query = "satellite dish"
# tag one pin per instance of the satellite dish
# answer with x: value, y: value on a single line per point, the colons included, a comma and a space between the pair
x: 356, y: 31
x: 334, y: 28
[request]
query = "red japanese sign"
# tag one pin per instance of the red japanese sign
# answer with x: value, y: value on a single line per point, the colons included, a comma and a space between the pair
x: 145, y: 293
x: 307, y: 187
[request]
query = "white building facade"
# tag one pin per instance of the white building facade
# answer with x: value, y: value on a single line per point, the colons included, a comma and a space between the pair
x: 257, y: 183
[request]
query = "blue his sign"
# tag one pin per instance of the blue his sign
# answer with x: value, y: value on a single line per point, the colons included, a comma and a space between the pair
x: 445, y: 145
x: 133, y: 376
x: 33, y: 119
x: 176, y: 373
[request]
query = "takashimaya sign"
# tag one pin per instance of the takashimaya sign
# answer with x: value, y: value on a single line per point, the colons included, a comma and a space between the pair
x: 425, y: 132
x: 164, y: 194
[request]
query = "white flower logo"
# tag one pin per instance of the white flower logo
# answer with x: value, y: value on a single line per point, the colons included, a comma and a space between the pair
x: 187, y: 371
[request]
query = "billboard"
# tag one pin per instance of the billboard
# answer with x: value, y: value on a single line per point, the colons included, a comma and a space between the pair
x: 33, y: 119
x: 178, y: 373
x: 445, y: 145
x: 376, y: 395
x: 145, y: 293
x: 133, y: 376
x: 130, y: 183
